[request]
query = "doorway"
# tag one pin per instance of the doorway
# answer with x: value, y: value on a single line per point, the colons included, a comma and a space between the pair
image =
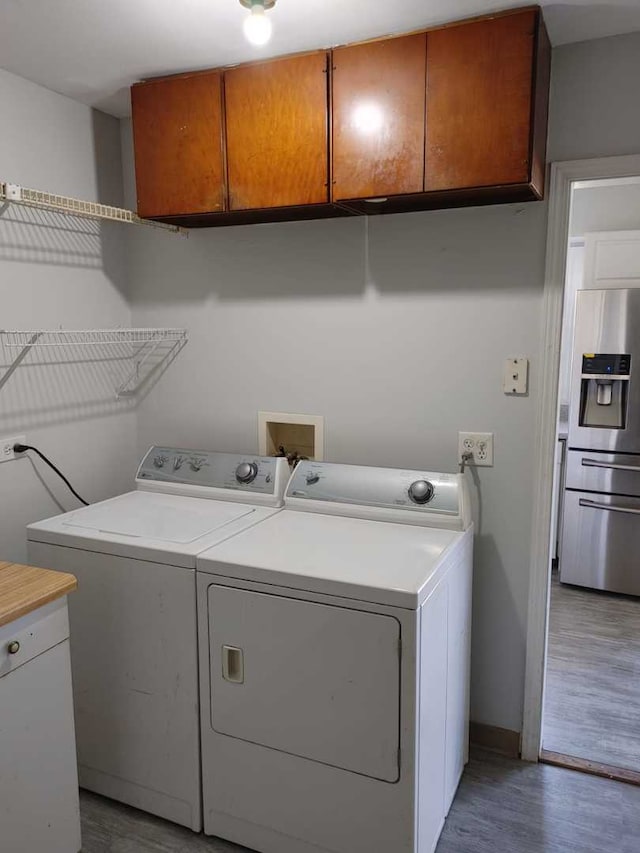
x: 592, y: 691
x: 587, y: 673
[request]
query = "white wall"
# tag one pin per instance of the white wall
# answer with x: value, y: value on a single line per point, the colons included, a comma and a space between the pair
x: 59, y: 272
x: 397, y: 336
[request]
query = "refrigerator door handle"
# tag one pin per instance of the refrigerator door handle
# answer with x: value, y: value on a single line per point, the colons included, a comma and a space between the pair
x: 608, y: 507
x: 594, y: 463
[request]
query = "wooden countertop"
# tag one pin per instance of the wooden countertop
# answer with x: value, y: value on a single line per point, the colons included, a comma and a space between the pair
x: 25, y: 588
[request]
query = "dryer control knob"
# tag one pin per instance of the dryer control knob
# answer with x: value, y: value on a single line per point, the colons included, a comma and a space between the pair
x: 421, y: 491
x: 246, y: 472
x: 312, y: 478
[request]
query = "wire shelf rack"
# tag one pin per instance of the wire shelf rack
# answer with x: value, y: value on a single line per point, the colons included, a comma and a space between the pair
x: 14, y: 193
x: 87, y: 337
x: 147, y: 349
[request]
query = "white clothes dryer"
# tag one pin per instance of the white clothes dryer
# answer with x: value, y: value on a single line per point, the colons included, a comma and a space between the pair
x: 133, y: 617
x: 334, y: 664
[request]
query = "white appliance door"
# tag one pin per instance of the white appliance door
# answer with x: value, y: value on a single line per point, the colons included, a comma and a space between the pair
x: 313, y: 680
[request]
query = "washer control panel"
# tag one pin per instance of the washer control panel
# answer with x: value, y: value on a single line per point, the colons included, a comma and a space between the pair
x: 393, y: 488
x: 242, y: 472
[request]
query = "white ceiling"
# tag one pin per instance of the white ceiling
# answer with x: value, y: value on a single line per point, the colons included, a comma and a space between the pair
x: 92, y: 50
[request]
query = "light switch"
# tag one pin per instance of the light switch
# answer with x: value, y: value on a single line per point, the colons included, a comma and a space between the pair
x: 516, y: 376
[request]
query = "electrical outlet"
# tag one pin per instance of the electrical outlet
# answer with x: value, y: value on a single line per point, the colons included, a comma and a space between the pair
x: 480, y: 445
x: 6, y: 447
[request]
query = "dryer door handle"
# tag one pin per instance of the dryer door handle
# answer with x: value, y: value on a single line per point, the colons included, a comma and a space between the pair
x: 233, y: 664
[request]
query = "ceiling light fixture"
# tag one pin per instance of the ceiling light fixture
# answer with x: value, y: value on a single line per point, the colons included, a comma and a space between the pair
x: 257, y: 27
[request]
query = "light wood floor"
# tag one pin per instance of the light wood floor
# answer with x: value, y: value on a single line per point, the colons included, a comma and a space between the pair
x: 502, y: 806
x: 592, y: 697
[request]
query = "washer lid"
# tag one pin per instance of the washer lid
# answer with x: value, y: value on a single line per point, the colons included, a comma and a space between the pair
x: 156, y: 516
x: 170, y: 529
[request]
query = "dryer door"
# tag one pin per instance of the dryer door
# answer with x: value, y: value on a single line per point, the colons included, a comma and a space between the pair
x: 313, y: 680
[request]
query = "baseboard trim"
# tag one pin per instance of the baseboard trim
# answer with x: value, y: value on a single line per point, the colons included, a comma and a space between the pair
x: 504, y: 741
x: 594, y: 768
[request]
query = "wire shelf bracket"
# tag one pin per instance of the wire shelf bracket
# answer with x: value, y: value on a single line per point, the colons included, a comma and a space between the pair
x: 146, y: 349
x: 15, y: 194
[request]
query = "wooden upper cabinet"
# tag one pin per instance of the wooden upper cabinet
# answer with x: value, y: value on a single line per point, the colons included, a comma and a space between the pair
x: 378, y: 117
x: 448, y: 117
x: 277, y: 134
x: 481, y: 81
x: 177, y: 131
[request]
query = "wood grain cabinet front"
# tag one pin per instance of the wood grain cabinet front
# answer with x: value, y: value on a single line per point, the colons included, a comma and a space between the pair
x: 379, y: 118
x: 277, y: 132
x: 177, y: 133
x: 487, y: 85
x: 443, y: 118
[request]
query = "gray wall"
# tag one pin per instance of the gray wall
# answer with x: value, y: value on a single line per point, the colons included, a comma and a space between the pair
x: 56, y: 272
x: 614, y: 207
x: 398, y: 340
x: 396, y: 331
x: 595, y: 99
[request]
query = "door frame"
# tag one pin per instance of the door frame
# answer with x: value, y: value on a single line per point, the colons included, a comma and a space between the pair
x: 562, y: 176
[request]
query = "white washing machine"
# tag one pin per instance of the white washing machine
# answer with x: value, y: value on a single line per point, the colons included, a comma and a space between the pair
x: 334, y: 664
x: 133, y: 618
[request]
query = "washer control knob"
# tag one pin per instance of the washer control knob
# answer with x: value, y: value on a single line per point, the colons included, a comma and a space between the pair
x: 312, y: 477
x: 159, y: 461
x: 246, y: 472
x: 13, y: 647
x: 421, y: 491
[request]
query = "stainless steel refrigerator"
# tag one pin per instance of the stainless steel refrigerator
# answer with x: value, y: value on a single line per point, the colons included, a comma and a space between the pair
x: 600, y: 545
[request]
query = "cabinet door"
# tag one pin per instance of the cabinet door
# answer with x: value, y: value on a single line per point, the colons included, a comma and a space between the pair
x: 612, y: 259
x: 378, y: 118
x: 276, y: 118
x: 177, y: 130
x: 479, y: 90
x: 38, y: 776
